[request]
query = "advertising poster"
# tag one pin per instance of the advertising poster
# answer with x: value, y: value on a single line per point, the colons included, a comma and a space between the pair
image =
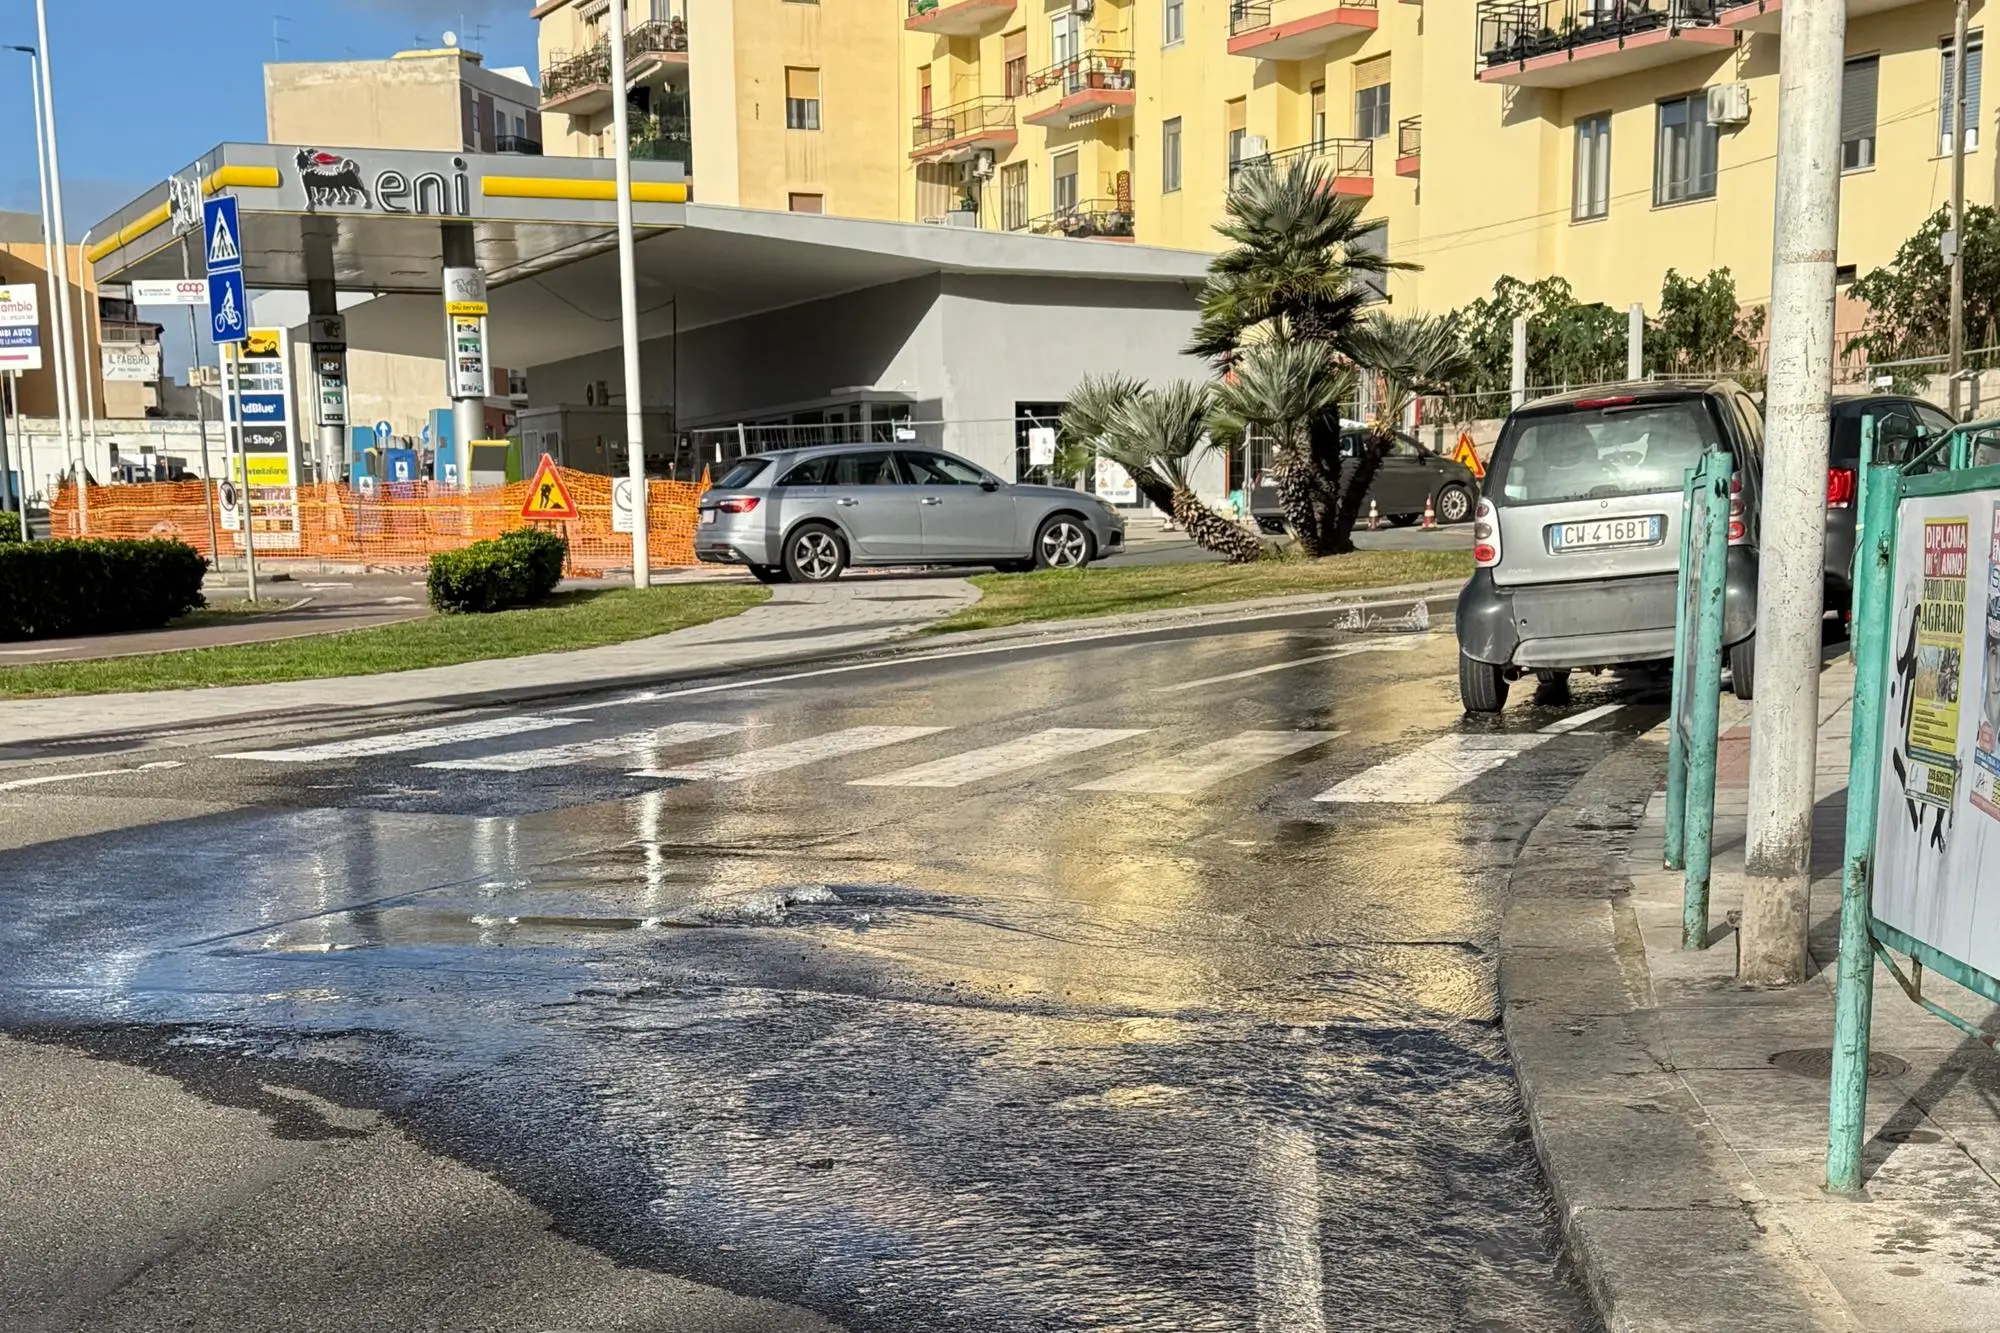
x: 1986, y: 741
x: 1931, y: 741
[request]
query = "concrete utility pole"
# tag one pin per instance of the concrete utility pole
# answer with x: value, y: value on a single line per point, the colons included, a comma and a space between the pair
x: 52, y: 262
x: 1519, y: 378
x: 1792, y: 528
x: 628, y: 302
x: 1635, y: 342
x: 1956, y: 369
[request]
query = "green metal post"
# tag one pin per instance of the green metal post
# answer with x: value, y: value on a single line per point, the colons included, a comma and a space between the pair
x: 1961, y: 449
x: 1676, y: 839
x: 1704, y: 710
x: 1854, y: 997
x: 1861, y: 498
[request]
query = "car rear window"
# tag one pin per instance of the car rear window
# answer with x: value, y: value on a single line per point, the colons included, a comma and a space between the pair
x: 742, y: 473
x: 1591, y: 453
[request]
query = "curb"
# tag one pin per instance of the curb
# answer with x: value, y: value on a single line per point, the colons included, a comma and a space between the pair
x: 1657, y: 1216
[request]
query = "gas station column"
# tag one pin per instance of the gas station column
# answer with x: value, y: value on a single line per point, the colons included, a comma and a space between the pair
x: 329, y: 355
x: 465, y: 345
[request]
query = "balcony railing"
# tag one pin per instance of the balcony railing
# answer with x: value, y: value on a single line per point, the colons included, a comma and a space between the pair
x: 1090, y: 219
x: 592, y: 69
x: 663, y: 139
x: 1409, y: 145
x: 1250, y: 15
x: 963, y: 124
x: 659, y: 37
x: 955, y: 17
x: 1089, y: 69
x: 518, y: 143
x: 1513, y: 32
x: 1348, y: 160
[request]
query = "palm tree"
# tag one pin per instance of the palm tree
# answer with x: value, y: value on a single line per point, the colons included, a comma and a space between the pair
x: 1165, y: 432
x: 1409, y: 356
x: 1087, y: 421
x: 1290, y: 389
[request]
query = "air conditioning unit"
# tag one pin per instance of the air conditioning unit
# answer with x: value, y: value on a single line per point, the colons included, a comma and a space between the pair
x: 982, y: 165
x: 1729, y: 104
x: 1083, y: 9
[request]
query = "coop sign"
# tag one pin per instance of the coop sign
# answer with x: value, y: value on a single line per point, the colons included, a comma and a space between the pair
x: 336, y: 180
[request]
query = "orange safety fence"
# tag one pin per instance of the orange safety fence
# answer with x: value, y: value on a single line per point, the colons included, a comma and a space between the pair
x: 402, y: 524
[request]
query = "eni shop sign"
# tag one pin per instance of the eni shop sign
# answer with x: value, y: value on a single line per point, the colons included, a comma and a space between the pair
x: 386, y: 182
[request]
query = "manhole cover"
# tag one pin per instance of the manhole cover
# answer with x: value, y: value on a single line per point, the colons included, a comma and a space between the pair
x: 1817, y: 1062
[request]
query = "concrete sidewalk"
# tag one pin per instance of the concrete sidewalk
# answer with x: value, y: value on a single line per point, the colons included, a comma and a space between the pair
x: 1682, y: 1117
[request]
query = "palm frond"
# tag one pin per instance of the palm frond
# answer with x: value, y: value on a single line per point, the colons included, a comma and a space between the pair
x: 1412, y: 355
x: 1086, y: 419
x: 1279, y: 385
x: 1165, y: 429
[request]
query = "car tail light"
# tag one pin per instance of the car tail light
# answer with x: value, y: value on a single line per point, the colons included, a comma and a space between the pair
x: 737, y: 504
x: 1485, y: 535
x: 1622, y: 400
x: 1739, y: 513
x: 1840, y: 488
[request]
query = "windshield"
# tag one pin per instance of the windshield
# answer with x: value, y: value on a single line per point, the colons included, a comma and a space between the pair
x: 1600, y: 452
x: 742, y: 473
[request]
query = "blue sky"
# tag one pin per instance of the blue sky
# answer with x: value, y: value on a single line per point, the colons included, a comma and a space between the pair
x: 145, y: 86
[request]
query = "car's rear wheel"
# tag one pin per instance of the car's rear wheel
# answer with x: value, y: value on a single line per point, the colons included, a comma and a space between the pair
x: 1743, y: 668
x: 770, y: 574
x: 1482, y: 687
x: 1013, y: 566
x: 815, y: 554
x: 1404, y: 520
x: 1554, y: 678
x: 1062, y: 542
x: 1454, y: 504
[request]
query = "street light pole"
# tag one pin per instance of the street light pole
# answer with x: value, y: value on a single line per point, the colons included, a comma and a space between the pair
x: 628, y: 301
x: 62, y: 240
x: 1791, y: 533
x: 83, y: 321
x: 1956, y: 368
x: 52, y: 265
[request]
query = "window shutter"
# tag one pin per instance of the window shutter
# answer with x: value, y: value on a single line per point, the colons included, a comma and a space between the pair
x: 1371, y: 73
x: 1858, y: 81
x: 1016, y: 44
x: 802, y: 84
x: 1974, y: 52
x: 1239, y: 114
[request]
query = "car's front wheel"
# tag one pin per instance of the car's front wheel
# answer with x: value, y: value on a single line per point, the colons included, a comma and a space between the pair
x: 1063, y: 542
x: 1482, y: 687
x: 815, y: 554
x: 1454, y: 504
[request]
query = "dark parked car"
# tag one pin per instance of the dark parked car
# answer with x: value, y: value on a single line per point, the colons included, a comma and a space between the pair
x: 1903, y: 426
x: 1410, y: 475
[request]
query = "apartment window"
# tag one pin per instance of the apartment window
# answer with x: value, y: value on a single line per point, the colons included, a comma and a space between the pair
x: 1236, y: 121
x: 807, y: 203
x: 1684, y: 165
x: 1014, y: 73
x: 520, y: 127
x: 1319, y: 113
x: 1973, y: 51
x: 1173, y: 22
x: 1014, y: 196
x: 1371, y: 98
x: 1065, y: 182
x: 801, y: 99
x: 1170, y: 155
x: 1063, y: 32
x: 1374, y: 241
x: 1857, y: 113
x: 499, y: 122
x: 1593, y: 168
x: 924, y: 93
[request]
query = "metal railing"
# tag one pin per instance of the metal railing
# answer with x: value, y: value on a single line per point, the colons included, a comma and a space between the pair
x: 658, y: 37
x: 518, y: 143
x: 1084, y: 71
x: 1348, y: 157
x: 964, y: 120
x: 663, y: 139
x: 1250, y: 15
x: 1090, y: 218
x: 1410, y: 137
x: 593, y: 67
x: 1517, y: 31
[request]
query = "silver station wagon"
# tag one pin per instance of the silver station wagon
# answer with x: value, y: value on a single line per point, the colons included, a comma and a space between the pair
x: 808, y: 514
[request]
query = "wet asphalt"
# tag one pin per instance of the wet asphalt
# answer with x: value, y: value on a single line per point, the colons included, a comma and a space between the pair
x: 1006, y: 1055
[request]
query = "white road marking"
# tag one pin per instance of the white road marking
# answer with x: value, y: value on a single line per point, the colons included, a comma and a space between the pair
x: 794, y: 754
x: 18, y: 783
x: 631, y: 745
x: 398, y: 742
x: 1026, y: 752
x: 1580, y: 720
x: 1189, y: 772
x: 1407, y: 645
x: 1429, y: 773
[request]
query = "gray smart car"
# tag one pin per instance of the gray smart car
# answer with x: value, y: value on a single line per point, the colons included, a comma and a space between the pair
x: 808, y: 514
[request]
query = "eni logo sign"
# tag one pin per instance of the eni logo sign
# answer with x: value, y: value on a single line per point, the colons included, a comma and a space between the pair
x: 329, y: 179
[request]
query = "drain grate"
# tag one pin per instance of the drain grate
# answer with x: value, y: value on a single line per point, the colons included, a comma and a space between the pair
x: 1817, y: 1062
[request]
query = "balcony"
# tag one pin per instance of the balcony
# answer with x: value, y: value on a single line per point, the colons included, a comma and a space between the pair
x: 955, y: 18
x: 1299, y: 28
x: 957, y: 132
x: 1350, y: 162
x: 1564, y: 43
x: 1409, y: 146
x: 663, y: 139
x: 1091, y: 220
x: 1094, y: 86
x: 519, y: 144
x: 581, y: 85
x: 656, y: 48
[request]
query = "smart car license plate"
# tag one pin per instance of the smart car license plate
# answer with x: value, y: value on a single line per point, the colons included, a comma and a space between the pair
x: 1645, y: 530
x: 708, y: 516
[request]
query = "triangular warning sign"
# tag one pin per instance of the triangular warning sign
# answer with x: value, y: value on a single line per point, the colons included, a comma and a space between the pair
x: 223, y: 251
x: 547, y: 496
x: 1464, y: 454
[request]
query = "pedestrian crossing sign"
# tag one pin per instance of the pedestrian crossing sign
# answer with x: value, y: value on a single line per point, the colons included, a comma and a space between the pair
x: 548, y: 498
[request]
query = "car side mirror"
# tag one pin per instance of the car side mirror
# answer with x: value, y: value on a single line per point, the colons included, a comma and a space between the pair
x: 989, y: 485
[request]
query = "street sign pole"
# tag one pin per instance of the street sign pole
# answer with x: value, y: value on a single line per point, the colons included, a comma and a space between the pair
x: 201, y: 418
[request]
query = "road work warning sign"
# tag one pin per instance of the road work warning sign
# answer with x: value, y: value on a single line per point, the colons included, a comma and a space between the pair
x: 547, y: 496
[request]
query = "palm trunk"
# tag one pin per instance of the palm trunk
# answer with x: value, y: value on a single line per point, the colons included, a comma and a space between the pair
x: 1213, y: 532
x: 1298, y: 498
x: 1340, y: 536
x: 1323, y: 448
x: 1157, y: 492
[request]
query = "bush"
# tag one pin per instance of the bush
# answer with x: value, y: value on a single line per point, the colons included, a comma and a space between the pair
x: 10, y: 526
x: 96, y: 586
x: 517, y: 568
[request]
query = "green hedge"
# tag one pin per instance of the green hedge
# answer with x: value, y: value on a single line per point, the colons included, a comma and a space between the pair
x: 10, y: 526
x: 96, y: 586
x: 517, y: 568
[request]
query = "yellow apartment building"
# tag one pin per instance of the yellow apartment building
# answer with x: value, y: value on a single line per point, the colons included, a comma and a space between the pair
x: 773, y: 104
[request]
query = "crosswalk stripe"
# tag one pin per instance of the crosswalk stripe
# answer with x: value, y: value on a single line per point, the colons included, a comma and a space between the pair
x: 1582, y: 719
x: 793, y: 754
x: 632, y: 745
x: 1026, y: 752
x: 1404, y: 645
x: 400, y: 742
x: 1429, y: 773
x: 1189, y: 772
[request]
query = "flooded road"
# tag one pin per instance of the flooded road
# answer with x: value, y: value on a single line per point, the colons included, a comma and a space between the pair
x: 1143, y: 984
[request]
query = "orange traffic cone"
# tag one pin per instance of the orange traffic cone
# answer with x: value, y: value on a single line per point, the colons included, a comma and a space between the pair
x: 1374, y: 518
x: 1430, y: 514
